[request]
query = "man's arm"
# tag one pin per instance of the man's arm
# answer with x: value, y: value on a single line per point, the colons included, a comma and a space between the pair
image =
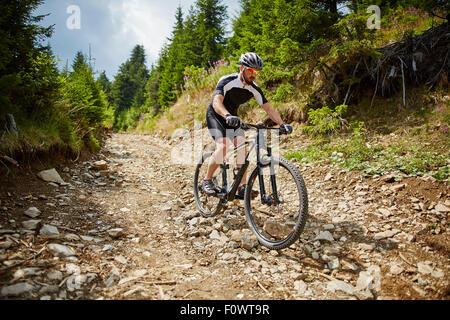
x: 218, y: 105
x: 273, y: 114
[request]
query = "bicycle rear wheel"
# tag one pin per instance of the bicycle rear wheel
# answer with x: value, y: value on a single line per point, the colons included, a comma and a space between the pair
x: 208, y: 206
x: 277, y: 226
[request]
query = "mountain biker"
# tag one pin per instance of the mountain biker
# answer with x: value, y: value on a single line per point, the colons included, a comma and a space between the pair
x: 222, y: 119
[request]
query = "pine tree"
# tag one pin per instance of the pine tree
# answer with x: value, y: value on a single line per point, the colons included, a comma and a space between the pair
x: 105, y: 84
x: 24, y: 60
x: 172, y: 62
x: 197, y: 40
x: 152, y: 102
x: 83, y: 93
x: 210, y: 29
x: 128, y: 89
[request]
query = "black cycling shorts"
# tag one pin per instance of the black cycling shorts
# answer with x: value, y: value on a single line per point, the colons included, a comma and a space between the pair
x: 219, y: 128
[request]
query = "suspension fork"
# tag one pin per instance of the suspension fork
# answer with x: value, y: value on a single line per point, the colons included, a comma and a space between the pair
x: 275, y: 199
x: 262, y: 190
x: 266, y: 200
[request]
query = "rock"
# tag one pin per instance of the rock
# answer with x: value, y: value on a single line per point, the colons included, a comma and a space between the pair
x: 328, y: 226
x: 48, y: 231
x: 32, y: 212
x: 301, y: 287
x: 364, y: 294
x: 442, y: 208
x: 366, y: 246
x: 236, y: 236
x: 249, y: 241
x: 438, y: 273
x: 72, y: 237
x: 388, y: 178
x: 215, y: 235
x: 385, y: 212
x: 121, y: 259
x: 22, y: 273
x: 55, y: 275
x: 75, y: 282
x: 232, y: 245
x: 365, y: 281
x: 398, y: 187
x: 60, y: 250
x: 89, y: 176
x: 50, y: 176
x: 6, y: 231
x: 6, y: 244
x: 245, y: 255
x: 423, y: 293
x: 324, y: 235
x: 424, y: 268
x: 31, y: 224
x: 328, y: 176
x: 341, y: 286
x: 349, y: 265
x: 276, y: 229
x: 396, y: 269
x: 115, y: 233
x: 72, y: 268
x: 48, y: 289
x: 228, y: 256
x: 386, y: 234
x: 334, y: 263
x: 108, y: 247
x: 370, y: 279
x: 17, y: 290
x: 100, y: 165
x: 87, y: 238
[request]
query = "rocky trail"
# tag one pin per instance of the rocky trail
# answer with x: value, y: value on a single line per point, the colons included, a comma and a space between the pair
x: 124, y: 225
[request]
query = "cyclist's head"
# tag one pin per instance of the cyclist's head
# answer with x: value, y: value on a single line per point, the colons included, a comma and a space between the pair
x: 251, y: 65
x: 251, y: 60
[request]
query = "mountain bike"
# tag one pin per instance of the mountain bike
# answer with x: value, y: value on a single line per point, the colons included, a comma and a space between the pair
x: 277, y: 212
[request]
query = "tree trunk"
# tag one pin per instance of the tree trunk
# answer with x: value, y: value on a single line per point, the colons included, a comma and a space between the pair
x: 11, y: 126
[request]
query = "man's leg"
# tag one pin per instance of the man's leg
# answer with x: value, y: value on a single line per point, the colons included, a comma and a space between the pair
x: 241, y: 156
x: 217, y: 157
x: 240, y: 161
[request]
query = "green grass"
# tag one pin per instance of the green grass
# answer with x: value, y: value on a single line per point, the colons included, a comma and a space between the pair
x: 412, y: 158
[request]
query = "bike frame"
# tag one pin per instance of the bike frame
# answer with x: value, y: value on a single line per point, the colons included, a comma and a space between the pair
x: 230, y: 193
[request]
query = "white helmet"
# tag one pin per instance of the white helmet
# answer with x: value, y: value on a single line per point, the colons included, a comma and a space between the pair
x: 251, y: 60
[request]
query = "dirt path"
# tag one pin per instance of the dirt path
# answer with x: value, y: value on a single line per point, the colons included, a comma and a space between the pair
x: 128, y: 228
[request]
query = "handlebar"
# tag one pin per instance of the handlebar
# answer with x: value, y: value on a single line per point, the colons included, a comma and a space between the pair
x: 258, y: 126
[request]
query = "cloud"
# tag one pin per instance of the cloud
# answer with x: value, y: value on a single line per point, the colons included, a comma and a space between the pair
x: 139, y: 22
x: 113, y: 28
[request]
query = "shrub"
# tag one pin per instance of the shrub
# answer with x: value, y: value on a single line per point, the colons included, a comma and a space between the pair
x: 284, y: 92
x: 326, y: 121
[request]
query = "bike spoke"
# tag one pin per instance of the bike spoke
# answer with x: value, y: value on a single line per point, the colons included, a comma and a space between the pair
x: 276, y: 223
x: 207, y: 205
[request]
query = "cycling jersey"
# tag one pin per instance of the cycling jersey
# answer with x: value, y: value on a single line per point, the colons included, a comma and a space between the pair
x: 235, y: 93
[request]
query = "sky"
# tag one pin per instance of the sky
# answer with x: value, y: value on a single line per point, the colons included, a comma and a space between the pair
x: 112, y: 28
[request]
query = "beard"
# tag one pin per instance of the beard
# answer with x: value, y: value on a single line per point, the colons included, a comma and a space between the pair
x: 248, y: 81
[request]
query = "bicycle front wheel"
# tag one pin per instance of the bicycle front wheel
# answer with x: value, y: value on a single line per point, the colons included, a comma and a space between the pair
x: 278, y: 220
x: 208, y: 206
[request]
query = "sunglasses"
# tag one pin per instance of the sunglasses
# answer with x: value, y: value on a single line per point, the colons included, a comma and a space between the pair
x: 253, y: 71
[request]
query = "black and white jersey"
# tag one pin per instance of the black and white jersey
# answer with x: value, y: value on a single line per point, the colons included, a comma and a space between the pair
x: 236, y: 93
